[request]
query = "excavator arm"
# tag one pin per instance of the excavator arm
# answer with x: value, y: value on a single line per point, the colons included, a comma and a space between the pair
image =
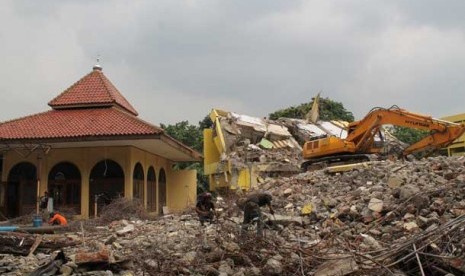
x: 436, y: 140
x: 361, y: 134
x: 442, y: 133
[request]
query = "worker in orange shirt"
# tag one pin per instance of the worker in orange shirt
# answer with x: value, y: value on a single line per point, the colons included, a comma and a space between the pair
x: 57, y: 219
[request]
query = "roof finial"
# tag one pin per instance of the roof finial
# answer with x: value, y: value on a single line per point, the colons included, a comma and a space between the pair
x: 97, y: 66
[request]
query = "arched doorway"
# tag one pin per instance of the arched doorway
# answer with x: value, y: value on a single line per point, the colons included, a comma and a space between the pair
x: 21, y: 194
x: 64, y: 186
x: 106, y: 182
x: 138, y: 182
x: 151, y: 190
x: 161, y: 190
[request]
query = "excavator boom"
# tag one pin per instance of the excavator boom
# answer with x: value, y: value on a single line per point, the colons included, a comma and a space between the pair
x: 361, y: 140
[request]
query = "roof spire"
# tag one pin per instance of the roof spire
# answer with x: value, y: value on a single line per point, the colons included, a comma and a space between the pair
x: 97, y: 65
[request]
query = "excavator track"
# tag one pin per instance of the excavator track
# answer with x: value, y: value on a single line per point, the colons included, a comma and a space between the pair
x: 323, y: 162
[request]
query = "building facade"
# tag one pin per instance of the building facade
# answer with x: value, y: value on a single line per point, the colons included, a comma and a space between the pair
x: 89, y: 149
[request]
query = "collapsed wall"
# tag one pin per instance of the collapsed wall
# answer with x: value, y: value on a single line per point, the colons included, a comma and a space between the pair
x: 241, y: 150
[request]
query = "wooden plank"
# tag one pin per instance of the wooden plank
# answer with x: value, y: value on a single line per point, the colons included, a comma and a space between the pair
x: 21, y: 243
x: 35, y: 245
x: 348, y: 167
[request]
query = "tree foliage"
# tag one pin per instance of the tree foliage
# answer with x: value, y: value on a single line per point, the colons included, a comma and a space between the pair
x: 408, y: 135
x: 205, y: 123
x: 191, y: 136
x: 328, y: 109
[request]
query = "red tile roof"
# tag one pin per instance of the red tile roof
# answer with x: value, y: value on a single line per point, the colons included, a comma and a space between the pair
x: 92, y: 90
x: 91, y: 109
x: 75, y: 123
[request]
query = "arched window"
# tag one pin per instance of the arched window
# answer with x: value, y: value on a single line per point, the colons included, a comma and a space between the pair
x: 106, y: 183
x: 21, y: 190
x: 151, y: 190
x: 138, y: 182
x: 161, y: 190
x: 64, y: 186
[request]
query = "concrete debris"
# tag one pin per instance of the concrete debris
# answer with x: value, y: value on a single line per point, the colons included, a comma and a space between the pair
x: 338, y: 267
x: 369, y: 221
x: 411, y: 226
x: 376, y: 205
x: 394, y: 182
x: 287, y: 192
x: 273, y: 267
x: 127, y: 229
x: 243, y: 150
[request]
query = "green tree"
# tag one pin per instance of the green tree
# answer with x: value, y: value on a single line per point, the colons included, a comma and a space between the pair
x: 408, y: 135
x: 205, y: 123
x: 328, y: 109
x: 191, y: 136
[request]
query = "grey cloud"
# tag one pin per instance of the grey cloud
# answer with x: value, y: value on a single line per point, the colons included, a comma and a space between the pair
x: 175, y: 60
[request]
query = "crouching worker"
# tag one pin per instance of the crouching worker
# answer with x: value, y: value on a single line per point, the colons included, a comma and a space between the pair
x: 57, y: 219
x: 252, y: 211
x: 205, y: 208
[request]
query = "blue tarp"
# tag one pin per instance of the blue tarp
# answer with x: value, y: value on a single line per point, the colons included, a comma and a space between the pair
x: 8, y: 228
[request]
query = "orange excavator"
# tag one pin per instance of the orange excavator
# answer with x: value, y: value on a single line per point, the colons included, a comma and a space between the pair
x: 363, y: 137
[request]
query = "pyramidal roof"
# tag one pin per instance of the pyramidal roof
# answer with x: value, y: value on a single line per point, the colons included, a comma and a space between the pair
x: 90, y: 112
x: 93, y: 90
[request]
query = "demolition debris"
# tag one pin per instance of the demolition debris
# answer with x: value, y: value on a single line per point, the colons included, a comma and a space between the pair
x: 385, y: 218
x: 240, y: 150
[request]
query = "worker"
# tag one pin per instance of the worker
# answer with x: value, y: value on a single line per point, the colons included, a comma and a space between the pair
x: 205, y: 208
x: 252, y: 210
x: 44, y: 201
x: 57, y: 219
x: 43, y: 206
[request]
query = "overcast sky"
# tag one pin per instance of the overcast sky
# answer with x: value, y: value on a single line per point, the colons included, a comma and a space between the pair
x: 176, y: 60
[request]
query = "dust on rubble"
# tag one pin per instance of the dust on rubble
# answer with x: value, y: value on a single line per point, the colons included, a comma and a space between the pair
x: 389, y: 218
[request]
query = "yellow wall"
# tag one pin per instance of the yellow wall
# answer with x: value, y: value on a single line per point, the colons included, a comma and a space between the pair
x: 181, y: 190
x: 458, y: 147
x: 241, y: 178
x: 127, y: 157
x: 457, y: 118
x: 211, y: 155
x: 223, y: 174
x: 217, y: 181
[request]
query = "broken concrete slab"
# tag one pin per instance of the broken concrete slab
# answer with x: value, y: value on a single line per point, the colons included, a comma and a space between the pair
x: 375, y: 205
x: 340, y: 267
x: 127, y: 229
x: 394, y: 182
x: 285, y: 220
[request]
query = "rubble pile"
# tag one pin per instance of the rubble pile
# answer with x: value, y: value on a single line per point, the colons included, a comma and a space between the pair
x: 276, y: 145
x: 388, y: 218
x: 251, y: 140
x: 304, y: 131
x: 122, y: 208
x: 381, y: 209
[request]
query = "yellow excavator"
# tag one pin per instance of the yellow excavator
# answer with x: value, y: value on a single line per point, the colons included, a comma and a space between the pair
x: 360, y: 142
